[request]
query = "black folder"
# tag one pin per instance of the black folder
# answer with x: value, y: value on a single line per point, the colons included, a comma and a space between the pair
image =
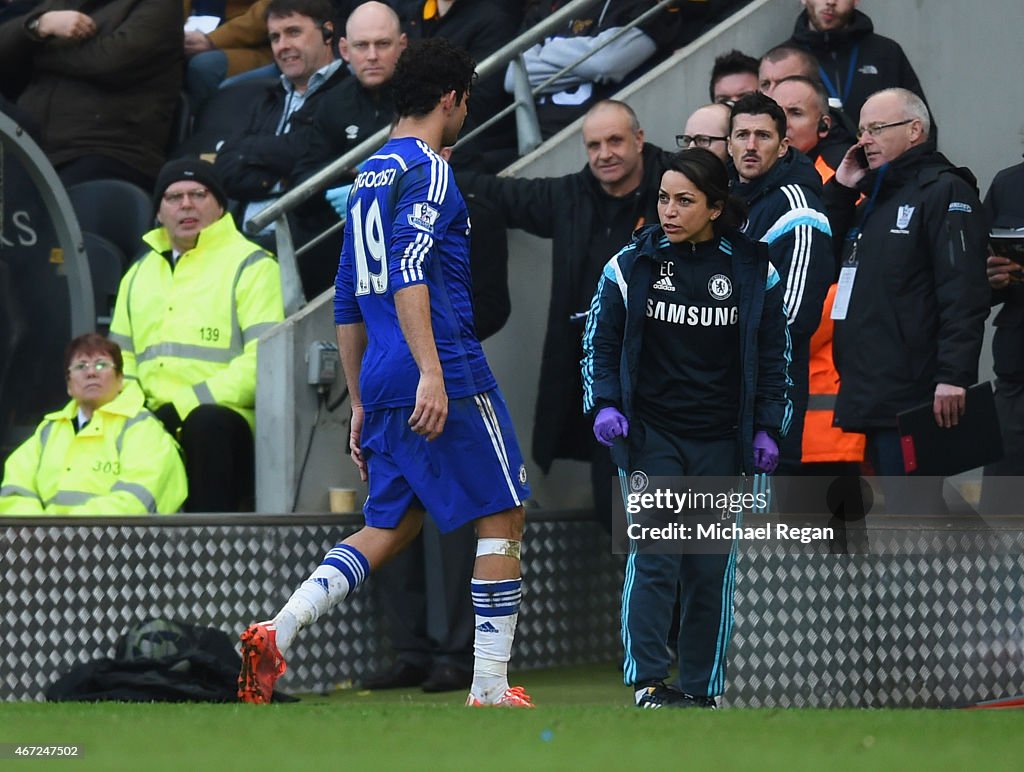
x: 1008, y: 242
x: 928, y: 449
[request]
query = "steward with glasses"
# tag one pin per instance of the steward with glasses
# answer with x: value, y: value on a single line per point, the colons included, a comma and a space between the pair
x: 910, y: 323
x: 103, y: 453
x: 188, y: 317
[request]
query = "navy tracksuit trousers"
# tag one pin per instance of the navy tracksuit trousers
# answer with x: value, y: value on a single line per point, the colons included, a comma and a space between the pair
x: 705, y: 582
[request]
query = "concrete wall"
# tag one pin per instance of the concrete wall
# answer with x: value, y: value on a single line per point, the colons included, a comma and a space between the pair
x: 970, y: 62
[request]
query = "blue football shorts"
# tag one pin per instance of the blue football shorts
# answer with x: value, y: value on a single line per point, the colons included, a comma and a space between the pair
x: 473, y: 469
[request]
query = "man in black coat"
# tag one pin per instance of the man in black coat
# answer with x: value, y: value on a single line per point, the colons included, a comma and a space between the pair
x: 909, y: 329
x: 1002, y: 491
x: 262, y: 161
x: 854, y: 60
x: 588, y: 216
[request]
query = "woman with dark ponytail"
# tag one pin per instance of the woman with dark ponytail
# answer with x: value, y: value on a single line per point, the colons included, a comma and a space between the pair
x: 685, y: 373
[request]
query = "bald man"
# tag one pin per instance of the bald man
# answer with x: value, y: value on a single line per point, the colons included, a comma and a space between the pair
x: 910, y: 324
x: 708, y: 127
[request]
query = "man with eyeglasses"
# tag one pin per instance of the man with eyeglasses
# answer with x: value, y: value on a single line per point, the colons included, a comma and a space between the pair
x: 782, y: 191
x: 102, y: 454
x: 910, y: 323
x: 188, y: 317
x: 708, y: 127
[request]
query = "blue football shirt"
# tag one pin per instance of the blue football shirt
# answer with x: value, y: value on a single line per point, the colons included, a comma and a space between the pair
x: 408, y: 224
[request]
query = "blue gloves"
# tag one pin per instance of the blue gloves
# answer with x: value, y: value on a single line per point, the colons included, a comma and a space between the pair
x: 609, y: 425
x: 338, y: 198
x: 766, y: 453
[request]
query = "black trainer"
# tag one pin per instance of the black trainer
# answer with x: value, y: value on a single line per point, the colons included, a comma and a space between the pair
x: 657, y: 695
x: 708, y: 703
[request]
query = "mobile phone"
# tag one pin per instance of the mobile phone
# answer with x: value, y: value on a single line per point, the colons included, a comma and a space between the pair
x: 862, y: 157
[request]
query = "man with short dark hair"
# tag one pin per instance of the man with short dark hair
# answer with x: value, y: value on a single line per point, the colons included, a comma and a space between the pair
x: 784, y: 61
x: 910, y: 329
x: 854, y: 61
x: 430, y: 430
x: 733, y: 76
x: 783, y: 192
x: 188, y: 318
x: 260, y: 162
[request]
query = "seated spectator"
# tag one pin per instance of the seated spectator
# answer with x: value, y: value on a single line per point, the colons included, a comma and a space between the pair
x: 572, y: 94
x: 102, y: 454
x: 733, y: 76
x: 345, y: 117
x: 708, y: 127
x: 103, y: 86
x: 259, y: 162
x: 188, y: 317
x: 238, y: 45
x: 481, y: 27
x: 854, y: 60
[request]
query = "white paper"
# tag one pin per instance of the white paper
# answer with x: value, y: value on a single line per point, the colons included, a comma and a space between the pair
x: 843, y: 292
x: 204, y: 24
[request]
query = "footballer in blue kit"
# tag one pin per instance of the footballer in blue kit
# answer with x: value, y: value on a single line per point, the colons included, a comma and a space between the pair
x: 430, y: 430
x: 408, y: 224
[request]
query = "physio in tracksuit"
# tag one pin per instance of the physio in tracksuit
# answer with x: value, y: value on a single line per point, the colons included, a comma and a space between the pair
x: 685, y: 371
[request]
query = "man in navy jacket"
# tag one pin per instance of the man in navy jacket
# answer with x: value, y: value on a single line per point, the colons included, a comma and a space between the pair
x: 783, y: 192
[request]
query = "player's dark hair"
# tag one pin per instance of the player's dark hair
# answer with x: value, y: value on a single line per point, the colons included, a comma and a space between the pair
x: 426, y: 71
x: 759, y: 104
x: 93, y: 343
x: 731, y: 63
x: 320, y: 11
x: 709, y: 175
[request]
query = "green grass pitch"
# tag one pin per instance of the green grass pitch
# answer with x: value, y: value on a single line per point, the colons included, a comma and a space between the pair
x: 583, y: 721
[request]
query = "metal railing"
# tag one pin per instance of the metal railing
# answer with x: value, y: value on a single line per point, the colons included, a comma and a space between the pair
x: 527, y: 128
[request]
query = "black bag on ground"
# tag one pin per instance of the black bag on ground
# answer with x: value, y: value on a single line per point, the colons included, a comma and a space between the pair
x: 159, y: 661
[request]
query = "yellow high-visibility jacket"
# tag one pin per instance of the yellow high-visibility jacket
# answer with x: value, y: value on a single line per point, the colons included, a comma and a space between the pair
x: 188, y: 335
x: 123, y: 462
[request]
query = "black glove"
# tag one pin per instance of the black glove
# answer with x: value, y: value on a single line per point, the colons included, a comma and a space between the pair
x: 169, y: 417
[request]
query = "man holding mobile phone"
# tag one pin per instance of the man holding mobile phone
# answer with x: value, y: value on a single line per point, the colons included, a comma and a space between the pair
x: 913, y: 295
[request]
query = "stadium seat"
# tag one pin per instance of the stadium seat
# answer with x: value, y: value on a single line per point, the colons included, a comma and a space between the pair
x: 116, y: 210
x: 225, y: 114
x: 181, y: 124
x: 106, y: 263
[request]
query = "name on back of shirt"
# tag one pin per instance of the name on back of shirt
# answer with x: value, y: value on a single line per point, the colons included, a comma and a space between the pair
x: 372, y: 179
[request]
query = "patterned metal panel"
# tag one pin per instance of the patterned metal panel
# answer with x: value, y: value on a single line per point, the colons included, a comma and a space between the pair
x: 69, y: 592
x: 937, y: 625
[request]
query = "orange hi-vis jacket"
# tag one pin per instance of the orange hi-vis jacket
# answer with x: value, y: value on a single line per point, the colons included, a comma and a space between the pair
x: 822, y: 441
